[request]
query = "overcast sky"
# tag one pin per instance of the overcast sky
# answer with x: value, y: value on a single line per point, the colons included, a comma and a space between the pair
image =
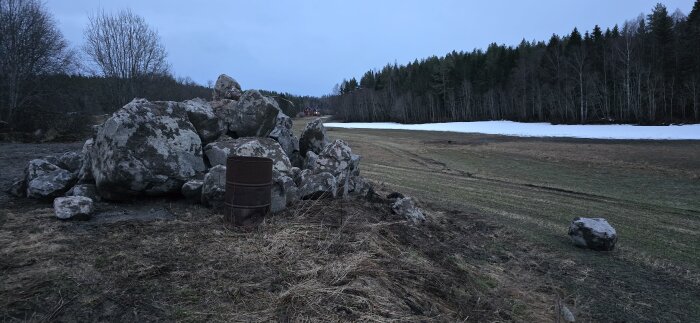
x: 306, y: 47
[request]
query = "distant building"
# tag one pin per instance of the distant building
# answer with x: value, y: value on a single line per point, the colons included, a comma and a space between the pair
x: 310, y: 112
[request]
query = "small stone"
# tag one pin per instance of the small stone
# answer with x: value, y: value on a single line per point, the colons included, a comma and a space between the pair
x: 407, y: 208
x: 593, y: 233
x: 73, y: 207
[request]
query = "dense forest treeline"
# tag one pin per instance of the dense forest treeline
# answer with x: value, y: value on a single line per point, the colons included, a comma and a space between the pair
x: 646, y: 71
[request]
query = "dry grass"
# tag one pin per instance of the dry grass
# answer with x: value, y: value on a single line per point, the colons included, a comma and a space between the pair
x: 305, y: 264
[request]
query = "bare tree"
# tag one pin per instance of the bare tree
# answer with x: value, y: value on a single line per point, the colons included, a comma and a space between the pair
x: 124, y: 46
x: 30, y: 46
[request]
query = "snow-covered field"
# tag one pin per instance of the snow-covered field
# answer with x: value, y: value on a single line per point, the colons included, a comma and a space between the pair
x: 510, y: 128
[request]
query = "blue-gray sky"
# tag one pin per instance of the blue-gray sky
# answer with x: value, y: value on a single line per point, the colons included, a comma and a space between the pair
x: 306, y: 47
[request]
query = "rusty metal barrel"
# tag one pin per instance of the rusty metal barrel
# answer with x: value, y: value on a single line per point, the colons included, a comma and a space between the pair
x: 248, y: 190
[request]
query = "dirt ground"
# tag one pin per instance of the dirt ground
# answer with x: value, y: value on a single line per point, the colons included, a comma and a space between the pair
x: 494, y: 248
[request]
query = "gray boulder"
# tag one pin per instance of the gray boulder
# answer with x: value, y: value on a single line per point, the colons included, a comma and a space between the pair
x: 218, y: 152
x: 593, y: 233
x: 315, y: 186
x: 146, y: 148
x: 284, y: 192
x: 407, y: 208
x: 46, y: 180
x: 214, y: 186
x: 337, y: 159
x: 73, y: 207
x: 313, y: 138
x: 18, y: 188
x: 192, y: 190
x: 86, y: 190
x: 254, y: 115
x: 70, y: 161
x: 226, y: 88
x: 85, y: 172
x: 201, y: 114
x: 282, y: 133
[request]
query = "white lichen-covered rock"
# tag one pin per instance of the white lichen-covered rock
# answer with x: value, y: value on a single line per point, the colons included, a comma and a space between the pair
x: 313, y: 138
x: 45, y: 180
x: 86, y: 190
x: 201, y: 114
x: 226, y: 87
x: 284, y: 192
x: 70, y: 161
x: 146, y: 148
x: 218, y: 152
x: 283, y: 134
x: 73, y: 207
x: 254, y: 115
x: 192, y: 190
x: 214, y: 186
x: 314, y: 186
x: 593, y: 233
x: 336, y: 158
x: 407, y: 208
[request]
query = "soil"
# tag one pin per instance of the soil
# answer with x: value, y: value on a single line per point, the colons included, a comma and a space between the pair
x: 494, y: 247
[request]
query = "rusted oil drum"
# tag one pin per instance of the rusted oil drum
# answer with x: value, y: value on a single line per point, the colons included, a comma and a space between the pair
x: 248, y: 190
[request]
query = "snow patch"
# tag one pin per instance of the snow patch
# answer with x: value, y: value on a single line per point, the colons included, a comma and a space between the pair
x: 519, y: 129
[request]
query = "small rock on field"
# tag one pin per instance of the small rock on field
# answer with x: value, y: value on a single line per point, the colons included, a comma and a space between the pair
x: 73, y: 207
x: 593, y: 233
x: 408, y: 209
x: 566, y: 314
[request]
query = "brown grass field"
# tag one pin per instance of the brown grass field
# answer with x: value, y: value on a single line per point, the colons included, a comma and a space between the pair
x: 494, y: 248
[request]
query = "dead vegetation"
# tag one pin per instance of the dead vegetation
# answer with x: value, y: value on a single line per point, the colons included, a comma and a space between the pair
x: 318, y: 261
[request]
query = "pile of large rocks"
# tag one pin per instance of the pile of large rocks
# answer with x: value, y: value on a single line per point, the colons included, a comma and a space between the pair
x: 180, y: 148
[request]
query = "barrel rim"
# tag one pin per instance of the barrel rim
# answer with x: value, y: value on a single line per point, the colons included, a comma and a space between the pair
x: 249, y: 159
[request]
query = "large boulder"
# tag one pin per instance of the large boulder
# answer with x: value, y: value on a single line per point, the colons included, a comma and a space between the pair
x: 593, y: 233
x: 73, y: 207
x: 201, y: 114
x: 226, y: 88
x: 282, y: 133
x: 313, y: 138
x: 45, y: 180
x: 218, y: 152
x: 146, y: 148
x: 315, y: 186
x: 254, y: 115
x: 407, y: 208
x: 214, y: 186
